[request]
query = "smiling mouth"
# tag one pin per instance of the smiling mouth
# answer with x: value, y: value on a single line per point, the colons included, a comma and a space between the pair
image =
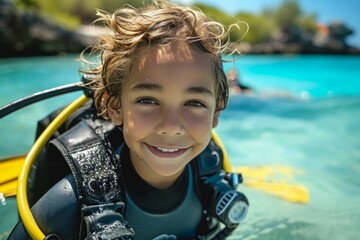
x: 166, y: 152
x: 167, y: 149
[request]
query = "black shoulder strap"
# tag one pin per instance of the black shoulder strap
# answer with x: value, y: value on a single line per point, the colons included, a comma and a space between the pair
x: 92, y: 162
x: 91, y: 158
x: 50, y: 167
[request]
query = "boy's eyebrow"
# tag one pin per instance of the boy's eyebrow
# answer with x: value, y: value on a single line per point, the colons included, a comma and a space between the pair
x: 158, y: 88
x: 200, y: 90
x: 147, y: 87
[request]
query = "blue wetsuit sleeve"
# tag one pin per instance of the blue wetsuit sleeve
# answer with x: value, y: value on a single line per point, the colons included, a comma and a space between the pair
x: 57, y: 212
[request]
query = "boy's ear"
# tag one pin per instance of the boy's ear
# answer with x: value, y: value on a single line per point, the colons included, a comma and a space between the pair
x: 217, y: 114
x: 115, y: 112
x: 216, y: 118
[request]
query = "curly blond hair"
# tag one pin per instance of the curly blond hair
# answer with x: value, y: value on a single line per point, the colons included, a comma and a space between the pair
x: 129, y: 30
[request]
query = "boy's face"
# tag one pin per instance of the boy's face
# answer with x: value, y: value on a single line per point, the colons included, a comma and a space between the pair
x: 167, y: 110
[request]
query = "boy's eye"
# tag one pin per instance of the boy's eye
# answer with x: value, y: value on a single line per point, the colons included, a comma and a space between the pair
x: 195, y: 104
x: 147, y: 101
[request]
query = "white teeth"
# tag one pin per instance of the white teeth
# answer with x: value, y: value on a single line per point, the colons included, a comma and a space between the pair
x: 168, y: 149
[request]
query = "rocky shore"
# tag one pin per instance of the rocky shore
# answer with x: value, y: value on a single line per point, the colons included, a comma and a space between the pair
x: 329, y: 39
x: 27, y: 34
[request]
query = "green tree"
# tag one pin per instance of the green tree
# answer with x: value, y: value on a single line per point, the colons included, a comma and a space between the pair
x: 308, y: 23
x: 225, y: 19
x: 260, y: 27
x: 287, y: 14
x: 72, y: 13
x: 27, y: 4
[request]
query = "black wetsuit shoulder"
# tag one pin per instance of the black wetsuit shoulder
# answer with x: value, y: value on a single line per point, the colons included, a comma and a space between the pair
x: 57, y: 212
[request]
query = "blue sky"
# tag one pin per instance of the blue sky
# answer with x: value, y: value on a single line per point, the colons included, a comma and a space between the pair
x: 326, y: 10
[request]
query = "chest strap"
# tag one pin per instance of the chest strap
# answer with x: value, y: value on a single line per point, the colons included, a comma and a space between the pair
x: 98, y: 178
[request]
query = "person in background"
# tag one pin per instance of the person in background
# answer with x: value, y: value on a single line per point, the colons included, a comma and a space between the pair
x: 235, y: 85
x: 238, y: 88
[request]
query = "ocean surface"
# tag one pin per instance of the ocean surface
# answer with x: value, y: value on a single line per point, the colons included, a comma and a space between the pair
x: 304, y: 115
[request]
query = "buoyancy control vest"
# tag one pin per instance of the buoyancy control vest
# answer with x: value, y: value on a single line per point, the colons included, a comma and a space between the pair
x: 88, y: 149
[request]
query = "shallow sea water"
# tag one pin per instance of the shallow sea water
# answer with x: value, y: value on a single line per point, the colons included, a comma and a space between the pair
x: 314, y: 129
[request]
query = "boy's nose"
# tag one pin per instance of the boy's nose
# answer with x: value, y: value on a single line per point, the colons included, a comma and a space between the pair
x: 171, y: 124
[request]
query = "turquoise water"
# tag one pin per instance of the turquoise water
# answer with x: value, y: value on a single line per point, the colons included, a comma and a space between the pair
x: 314, y: 129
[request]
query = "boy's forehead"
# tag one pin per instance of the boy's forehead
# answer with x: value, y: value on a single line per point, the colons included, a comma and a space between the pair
x: 176, y: 54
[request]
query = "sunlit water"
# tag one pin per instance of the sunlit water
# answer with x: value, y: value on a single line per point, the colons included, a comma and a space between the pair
x: 305, y: 115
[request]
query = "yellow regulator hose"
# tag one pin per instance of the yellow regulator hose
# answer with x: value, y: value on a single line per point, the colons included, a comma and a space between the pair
x: 226, y: 160
x: 22, y: 200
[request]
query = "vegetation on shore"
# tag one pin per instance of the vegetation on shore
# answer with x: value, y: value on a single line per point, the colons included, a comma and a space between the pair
x: 283, y: 28
x: 72, y: 13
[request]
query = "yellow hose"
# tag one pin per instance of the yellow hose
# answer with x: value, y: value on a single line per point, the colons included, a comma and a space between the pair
x: 22, y: 201
x: 226, y: 160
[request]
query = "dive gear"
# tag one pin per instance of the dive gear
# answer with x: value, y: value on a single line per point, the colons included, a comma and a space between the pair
x: 227, y: 204
x: 36, y: 97
x: 98, y: 179
x: 96, y: 221
x: 218, y: 189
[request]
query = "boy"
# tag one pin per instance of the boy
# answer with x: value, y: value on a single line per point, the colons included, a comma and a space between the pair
x: 161, y: 82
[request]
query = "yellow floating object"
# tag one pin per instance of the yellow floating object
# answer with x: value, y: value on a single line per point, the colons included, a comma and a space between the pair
x: 9, y: 188
x: 9, y: 172
x: 289, y: 192
x: 274, y: 180
x: 259, y: 178
x: 10, y: 168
